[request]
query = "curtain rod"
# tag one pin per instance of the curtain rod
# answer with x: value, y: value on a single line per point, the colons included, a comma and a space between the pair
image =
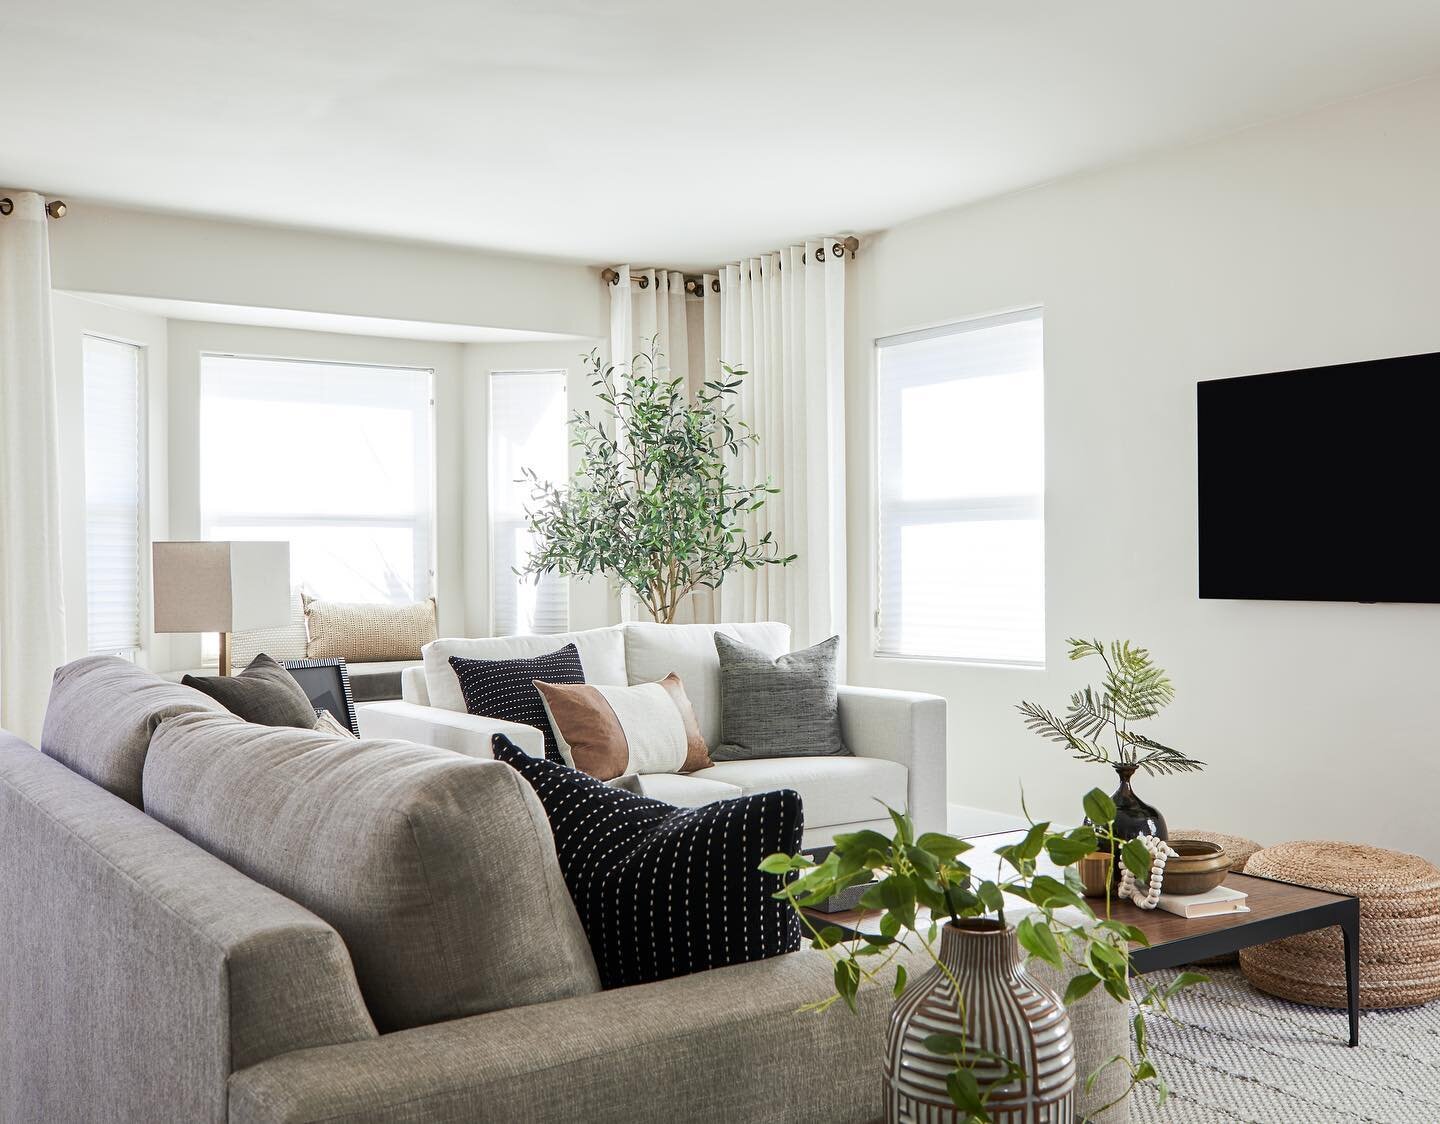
x: 55, y: 208
x: 695, y: 284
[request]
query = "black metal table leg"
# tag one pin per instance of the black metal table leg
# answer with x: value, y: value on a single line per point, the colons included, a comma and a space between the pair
x: 1350, y: 929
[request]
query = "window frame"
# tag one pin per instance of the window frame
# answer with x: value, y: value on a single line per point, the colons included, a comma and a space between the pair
x: 143, y: 618
x: 1026, y: 507
x: 492, y: 519
x: 426, y: 544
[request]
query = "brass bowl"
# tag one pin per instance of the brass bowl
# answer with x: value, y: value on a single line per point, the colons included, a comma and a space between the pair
x: 1198, y: 866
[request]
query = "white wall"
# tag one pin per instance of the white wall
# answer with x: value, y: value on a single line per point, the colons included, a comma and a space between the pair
x: 1309, y: 241
x: 71, y: 320
x: 100, y: 249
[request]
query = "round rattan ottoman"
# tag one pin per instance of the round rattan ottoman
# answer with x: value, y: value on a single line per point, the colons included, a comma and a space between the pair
x: 1399, y: 927
x: 1238, y: 850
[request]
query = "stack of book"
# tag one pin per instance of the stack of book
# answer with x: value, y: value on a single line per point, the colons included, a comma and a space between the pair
x: 1211, y: 903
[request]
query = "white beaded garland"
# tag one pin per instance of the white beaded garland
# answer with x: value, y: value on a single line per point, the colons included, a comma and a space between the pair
x: 1149, y: 896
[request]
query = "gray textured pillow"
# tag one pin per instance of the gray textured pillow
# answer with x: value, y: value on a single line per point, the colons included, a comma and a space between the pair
x: 264, y: 693
x: 782, y: 707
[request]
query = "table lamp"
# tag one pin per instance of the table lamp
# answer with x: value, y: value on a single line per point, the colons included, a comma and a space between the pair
x: 221, y: 587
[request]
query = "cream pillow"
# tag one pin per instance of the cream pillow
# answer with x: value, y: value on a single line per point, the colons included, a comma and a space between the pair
x: 368, y: 633
x: 611, y: 731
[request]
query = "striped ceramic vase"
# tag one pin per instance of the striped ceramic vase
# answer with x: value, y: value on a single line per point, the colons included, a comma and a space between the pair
x: 1006, y: 1012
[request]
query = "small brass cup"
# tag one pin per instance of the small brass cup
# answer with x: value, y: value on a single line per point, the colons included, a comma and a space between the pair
x: 1095, y: 873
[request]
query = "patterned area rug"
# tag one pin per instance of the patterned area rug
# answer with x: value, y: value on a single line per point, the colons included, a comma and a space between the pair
x: 1234, y: 1053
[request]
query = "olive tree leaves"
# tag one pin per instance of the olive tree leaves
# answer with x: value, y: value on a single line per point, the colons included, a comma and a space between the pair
x: 655, y: 503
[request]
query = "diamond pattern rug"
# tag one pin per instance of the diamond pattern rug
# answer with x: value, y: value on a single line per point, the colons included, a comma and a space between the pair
x: 1232, y: 1053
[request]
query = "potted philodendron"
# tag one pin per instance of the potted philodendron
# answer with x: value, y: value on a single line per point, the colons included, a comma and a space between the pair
x: 946, y: 1054
x: 1098, y: 727
x: 656, y: 503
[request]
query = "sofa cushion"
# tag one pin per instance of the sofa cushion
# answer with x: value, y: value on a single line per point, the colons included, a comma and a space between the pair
x: 602, y: 652
x: 100, y: 716
x: 781, y: 706
x: 686, y: 791
x: 610, y: 731
x: 665, y: 891
x: 505, y: 689
x: 836, y: 790
x: 264, y: 693
x: 438, y: 870
x: 653, y: 651
x: 366, y: 632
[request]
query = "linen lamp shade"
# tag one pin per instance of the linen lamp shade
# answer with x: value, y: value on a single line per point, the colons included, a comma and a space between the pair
x: 221, y: 587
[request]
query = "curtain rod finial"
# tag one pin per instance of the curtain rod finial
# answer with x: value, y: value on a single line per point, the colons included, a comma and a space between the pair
x: 56, y: 208
x: 609, y: 276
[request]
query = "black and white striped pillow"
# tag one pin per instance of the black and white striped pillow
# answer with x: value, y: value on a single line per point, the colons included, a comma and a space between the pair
x: 505, y: 689
x: 664, y: 891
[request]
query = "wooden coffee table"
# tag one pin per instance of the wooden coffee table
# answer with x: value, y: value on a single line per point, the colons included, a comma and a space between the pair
x: 1277, y: 909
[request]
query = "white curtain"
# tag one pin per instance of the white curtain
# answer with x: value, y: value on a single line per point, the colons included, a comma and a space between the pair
x: 783, y: 320
x: 781, y: 317
x: 32, y: 622
x: 653, y: 306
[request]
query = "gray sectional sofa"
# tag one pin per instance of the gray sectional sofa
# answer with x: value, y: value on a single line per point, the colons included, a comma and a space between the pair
x: 204, y: 920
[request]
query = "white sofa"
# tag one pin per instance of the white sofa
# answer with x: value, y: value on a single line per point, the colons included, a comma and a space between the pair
x: 897, y: 737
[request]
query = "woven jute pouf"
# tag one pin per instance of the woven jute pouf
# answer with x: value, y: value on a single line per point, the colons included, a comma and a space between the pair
x: 1399, y: 927
x: 1238, y: 850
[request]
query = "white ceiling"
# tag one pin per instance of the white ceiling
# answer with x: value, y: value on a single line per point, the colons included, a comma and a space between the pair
x: 648, y: 131
x: 320, y: 321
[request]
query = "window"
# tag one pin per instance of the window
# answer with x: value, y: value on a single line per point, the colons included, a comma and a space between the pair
x: 528, y: 429
x: 962, y: 492
x: 114, y: 475
x: 333, y: 457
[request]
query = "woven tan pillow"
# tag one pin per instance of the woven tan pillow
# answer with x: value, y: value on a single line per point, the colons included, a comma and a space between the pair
x: 363, y: 633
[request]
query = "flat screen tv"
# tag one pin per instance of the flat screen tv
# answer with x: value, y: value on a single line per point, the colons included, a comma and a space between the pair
x: 1322, y: 484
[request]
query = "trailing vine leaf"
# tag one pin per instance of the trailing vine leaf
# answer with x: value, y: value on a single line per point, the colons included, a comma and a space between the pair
x: 929, y: 873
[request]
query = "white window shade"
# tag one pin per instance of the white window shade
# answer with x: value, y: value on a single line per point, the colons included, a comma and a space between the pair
x: 114, y: 472
x: 528, y: 429
x: 962, y: 492
x: 334, y: 458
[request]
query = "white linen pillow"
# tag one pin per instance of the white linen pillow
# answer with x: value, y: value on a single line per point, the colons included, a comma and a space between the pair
x: 653, y: 651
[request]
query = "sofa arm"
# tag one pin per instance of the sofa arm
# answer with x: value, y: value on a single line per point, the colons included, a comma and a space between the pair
x: 906, y: 727
x: 445, y: 729
x: 727, y: 1044
x: 139, y: 970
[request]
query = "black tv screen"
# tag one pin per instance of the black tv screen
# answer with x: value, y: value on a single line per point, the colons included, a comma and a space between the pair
x: 1321, y: 484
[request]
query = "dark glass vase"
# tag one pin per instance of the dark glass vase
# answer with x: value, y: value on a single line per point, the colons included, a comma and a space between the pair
x: 1132, y: 815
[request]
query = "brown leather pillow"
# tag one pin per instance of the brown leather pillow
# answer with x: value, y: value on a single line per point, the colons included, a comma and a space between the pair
x: 610, y: 731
